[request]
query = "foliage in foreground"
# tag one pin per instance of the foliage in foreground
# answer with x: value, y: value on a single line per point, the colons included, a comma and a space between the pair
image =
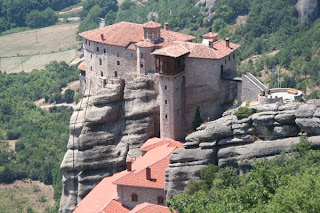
x: 42, y: 135
x: 283, y: 184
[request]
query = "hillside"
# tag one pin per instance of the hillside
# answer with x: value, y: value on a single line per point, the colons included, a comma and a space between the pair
x: 34, y: 49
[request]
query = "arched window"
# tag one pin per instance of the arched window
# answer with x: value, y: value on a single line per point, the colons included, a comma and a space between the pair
x: 134, y: 198
x: 160, y: 200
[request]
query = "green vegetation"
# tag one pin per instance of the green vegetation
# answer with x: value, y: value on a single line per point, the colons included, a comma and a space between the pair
x: 244, y: 112
x: 197, y: 120
x: 42, y: 135
x: 22, y: 13
x: 283, y: 184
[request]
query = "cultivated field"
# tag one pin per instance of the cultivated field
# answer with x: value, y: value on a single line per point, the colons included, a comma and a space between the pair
x: 20, y: 195
x: 33, y: 49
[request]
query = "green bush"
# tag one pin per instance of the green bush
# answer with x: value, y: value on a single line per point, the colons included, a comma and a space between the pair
x: 244, y: 112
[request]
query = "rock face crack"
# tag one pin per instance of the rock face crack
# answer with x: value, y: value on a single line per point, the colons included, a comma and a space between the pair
x: 109, y: 126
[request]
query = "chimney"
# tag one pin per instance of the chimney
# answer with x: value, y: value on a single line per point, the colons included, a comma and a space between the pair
x: 228, y: 42
x: 148, y: 173
x: 129, y: 166
x: 166, y: 26
x: 102, y: 37
x: 210, y: 44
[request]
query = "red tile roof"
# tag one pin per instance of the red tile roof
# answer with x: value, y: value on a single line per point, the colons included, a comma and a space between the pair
x: 152, y: 24
x: 124, y: 34
x: 156, y: 142
x: 103, y: 197
x: 196, y: 50
x: 115, y: 206
x: 150, y: 208
x: 210, y: 35
x: 81, y: 66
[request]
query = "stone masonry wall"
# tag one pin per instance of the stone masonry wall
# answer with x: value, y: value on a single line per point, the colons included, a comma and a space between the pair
x: 250, y: 91
x: 149, y: 195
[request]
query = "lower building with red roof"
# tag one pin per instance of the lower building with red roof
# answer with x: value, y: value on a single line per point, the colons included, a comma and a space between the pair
x: 138, y: 189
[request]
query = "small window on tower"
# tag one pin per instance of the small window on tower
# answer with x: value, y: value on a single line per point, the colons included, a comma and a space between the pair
x: 165, y: 87
x: 100, y: 61
x: 116, y: 74
x: 101, y: 74
x: 104, y: 50
x: 166, y: 101
x: 166, y: 116
x: 86, y: 41
x: 89, y: 43
x: 97, y: 49
x: 118, y: 62
x: 141, y: 65
x: 90, y: 55
x: 233, y: 55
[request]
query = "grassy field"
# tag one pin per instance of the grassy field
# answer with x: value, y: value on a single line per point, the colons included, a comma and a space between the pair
x: 17, y: 197
x: 33, y: 49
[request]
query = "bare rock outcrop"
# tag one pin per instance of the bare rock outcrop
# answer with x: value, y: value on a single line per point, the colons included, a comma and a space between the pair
x: 104, y: 130
x: 309, y: 10
x: 229, y: 141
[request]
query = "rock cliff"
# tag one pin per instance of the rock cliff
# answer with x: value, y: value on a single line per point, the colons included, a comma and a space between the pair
x: 104, y: 130
x: 239, y: 143
x: 309, y: 10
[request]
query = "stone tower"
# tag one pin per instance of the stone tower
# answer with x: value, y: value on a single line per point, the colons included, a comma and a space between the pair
x: 172, y: 96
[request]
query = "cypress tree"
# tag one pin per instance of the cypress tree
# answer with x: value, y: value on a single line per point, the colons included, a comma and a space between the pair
x: 197, y: 120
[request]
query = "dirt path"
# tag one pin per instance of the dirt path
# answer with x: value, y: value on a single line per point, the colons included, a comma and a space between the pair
x: 73, y: 10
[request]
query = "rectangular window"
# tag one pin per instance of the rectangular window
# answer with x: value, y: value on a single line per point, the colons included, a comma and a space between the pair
x: 85, y: 41
x: 89, y: 43
x: 166, y: 101
x: 166, y: 116
x: 104, y: 50
x: 233, y: 55
x: 165, y: 87
x: 118, y: 62
x: 101, y: 74
x: 141, y: 65
x: 116, y: 74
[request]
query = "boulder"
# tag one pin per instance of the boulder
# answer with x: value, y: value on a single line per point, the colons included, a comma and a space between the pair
x: 308, y: 10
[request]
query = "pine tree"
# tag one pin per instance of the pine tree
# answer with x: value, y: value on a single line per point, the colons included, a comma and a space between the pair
x: 197, y: 120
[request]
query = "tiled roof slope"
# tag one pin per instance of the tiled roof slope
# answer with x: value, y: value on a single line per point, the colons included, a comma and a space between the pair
x: 210, y: 35
x: 124, y: 33
x: 156, y: 142
x: 82, y: 66
x: 196, y: 50
x: 104, y: 196
x: 150, y: 208
x: 115, y: 206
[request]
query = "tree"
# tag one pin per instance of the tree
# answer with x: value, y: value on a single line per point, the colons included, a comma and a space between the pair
x: 68, y: 95
x: 197, y: 120
x: 37, y: 19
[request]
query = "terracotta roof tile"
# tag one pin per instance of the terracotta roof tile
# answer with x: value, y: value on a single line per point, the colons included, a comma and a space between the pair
x: 156, y: 142
x: 150, y: 208
x: 116, y: 207
x: 152, y: 24
x: 103, y: 197
x: 210, y: 35
x: 82, y: 66
x: 196, y: 50
x: 145, y: 43
x: 124, y: 34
